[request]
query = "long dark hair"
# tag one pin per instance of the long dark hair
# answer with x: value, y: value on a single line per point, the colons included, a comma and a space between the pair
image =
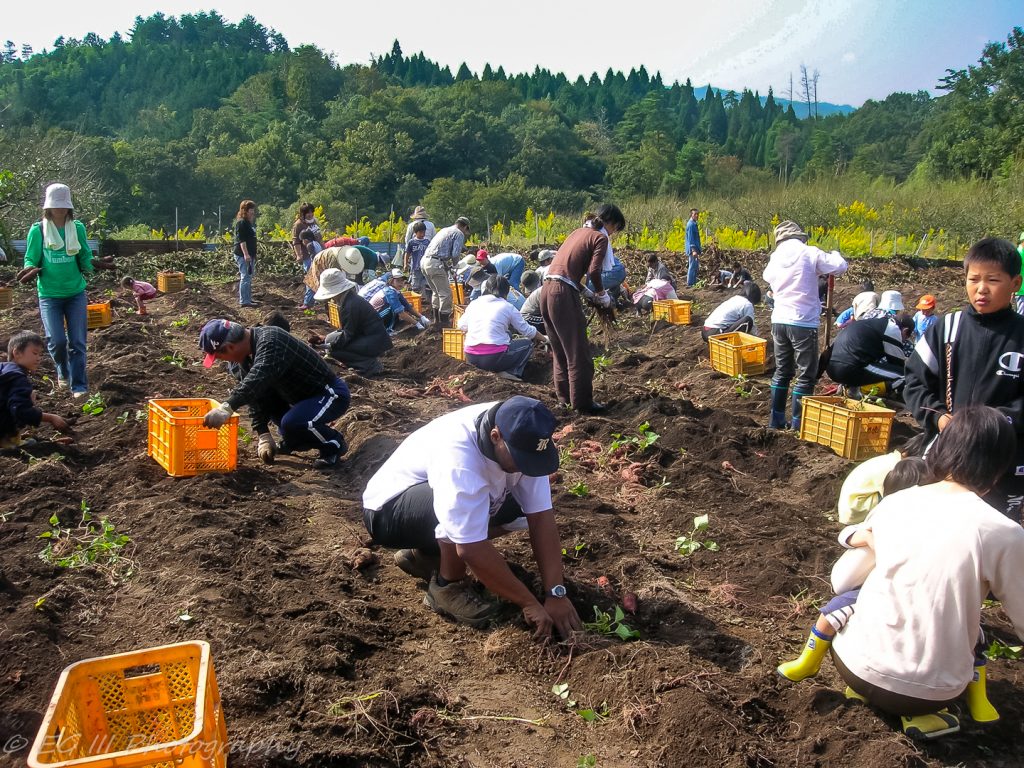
x: 304, y: 208
x: 496, y: 285
x: 606, y: 213
x: 244, y: 207
x: 975, y: 449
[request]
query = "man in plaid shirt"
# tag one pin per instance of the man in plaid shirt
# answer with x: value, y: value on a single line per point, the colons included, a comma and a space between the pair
x: 282, y: 380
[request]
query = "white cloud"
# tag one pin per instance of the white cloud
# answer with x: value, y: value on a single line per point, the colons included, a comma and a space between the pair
x: 849, y: 57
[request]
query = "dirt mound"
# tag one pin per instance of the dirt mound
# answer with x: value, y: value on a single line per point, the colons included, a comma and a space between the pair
x: 323, y: 652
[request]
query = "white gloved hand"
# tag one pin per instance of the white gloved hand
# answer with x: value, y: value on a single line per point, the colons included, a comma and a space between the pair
x: 218, y: 417
x: 266, y: 448
x: 603, y: 299
x: 423, y: 323
x: 587, y: 293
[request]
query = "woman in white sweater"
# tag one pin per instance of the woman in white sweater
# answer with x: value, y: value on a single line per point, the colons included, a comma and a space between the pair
x: 939, y: 550
x: 488, y: 322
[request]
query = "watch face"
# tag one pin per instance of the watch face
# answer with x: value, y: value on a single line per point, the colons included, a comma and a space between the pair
x: 558, y: 591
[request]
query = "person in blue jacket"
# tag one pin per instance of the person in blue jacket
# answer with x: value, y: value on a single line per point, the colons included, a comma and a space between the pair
x: 693, y: 249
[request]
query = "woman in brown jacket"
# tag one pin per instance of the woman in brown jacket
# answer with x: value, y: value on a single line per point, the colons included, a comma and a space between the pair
x: 582, y: 256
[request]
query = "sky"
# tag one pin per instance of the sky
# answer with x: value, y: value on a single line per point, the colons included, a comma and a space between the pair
x: 862, y: 49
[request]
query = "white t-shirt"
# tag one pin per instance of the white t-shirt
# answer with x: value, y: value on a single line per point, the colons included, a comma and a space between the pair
x: 487, y: 320
x: 792, y: 272
x: 939, y: 550
x: 468, y: 487
x: 729, y: 311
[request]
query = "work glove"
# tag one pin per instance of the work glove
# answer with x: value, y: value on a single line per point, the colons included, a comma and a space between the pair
x: 423, y: 323
x: 266, y: 448
x: 587, y: 294
x: 218, y: 417
x: 603, y: 299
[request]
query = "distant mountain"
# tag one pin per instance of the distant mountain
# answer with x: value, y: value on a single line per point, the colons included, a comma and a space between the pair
x: 799, y: 107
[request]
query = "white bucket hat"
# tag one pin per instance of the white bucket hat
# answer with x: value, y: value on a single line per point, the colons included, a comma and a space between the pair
x: 350, y: 259
x: 546, y: 255
x: 396, y: 274
x: 58, y: 196
x: 892, y: 301
x: 333, y: 282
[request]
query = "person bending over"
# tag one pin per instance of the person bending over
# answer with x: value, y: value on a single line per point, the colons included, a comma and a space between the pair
x: 489, y: 322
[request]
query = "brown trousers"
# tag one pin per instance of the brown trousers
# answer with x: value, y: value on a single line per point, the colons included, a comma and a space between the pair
x: 572, y: 365
x: 887, y: 701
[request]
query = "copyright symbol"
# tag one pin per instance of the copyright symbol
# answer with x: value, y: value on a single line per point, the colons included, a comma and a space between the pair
x: 16, y: 743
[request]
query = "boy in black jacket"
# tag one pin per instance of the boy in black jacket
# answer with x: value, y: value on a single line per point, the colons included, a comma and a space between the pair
x: 17, y: 404
x: 870, y: 352
x: 976, y: 357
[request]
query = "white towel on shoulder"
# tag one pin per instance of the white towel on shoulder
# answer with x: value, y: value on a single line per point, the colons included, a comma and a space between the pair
x: 54, y: 242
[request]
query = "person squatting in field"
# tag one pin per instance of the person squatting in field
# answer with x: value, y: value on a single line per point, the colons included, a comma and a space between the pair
x: 871, y: 352
x: 455, y: 484
x: 734, y: 314
x: 489, y: 322
x: 584, y: 254
x: 792, y: 272
x: 976, y: 356
x: 362, y: 337
x: 282, y: 380
x: 940, y: 543
x: 385, y: 296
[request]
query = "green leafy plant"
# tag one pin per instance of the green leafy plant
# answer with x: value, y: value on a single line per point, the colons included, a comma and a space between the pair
x: 644, y: 438
x: 124, y: 417
x: 590, y: 714
x: 184, y: 320
x: 1000, y: 650
x: 609, y: 624
x: 87, y: 545
x: 586, y: 761
x: 576, y: 551
x: 687, y: 545
x: 601, y: 364
x: 174, y: 359
x: 309, y: 312
x: 95, y: 405
x: 581, y: 489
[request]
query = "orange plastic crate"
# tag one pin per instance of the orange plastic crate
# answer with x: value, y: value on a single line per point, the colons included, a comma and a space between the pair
x: 675, y: 311
x: 333, y: 313
x: 170, y: 282
x: 853, y: 429
x: 98, y: 315
x: 737, y: 353
x: 6, y: 298
x: 457, y: 311
x: 180, y: 443
x: 153, y: 708
x: 454, y: 342
x: 415, y: 301
x: 458, y: 293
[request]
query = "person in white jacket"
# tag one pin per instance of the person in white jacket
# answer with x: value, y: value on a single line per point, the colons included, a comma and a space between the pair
x: 938, y: 551
x: 792, y: 273
x: 488, y: 322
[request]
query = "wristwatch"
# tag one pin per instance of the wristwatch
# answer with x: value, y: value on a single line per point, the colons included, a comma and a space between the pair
x: 557, y: 591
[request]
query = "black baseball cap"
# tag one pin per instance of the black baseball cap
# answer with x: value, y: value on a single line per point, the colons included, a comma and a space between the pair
x: 526, y: 426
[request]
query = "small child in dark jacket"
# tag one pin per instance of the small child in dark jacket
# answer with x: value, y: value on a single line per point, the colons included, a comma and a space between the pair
x: 17, y: 401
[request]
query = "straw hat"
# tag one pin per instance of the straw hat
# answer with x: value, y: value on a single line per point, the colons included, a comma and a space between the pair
x: 333, y: 282
x: 350, y: 259
x: 789, y: 230
x: 58, y: 196
x: 419, y: 213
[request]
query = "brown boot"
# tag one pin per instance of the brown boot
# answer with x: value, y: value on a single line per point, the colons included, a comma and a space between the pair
x: 417, y: 563
x: 459, y: 601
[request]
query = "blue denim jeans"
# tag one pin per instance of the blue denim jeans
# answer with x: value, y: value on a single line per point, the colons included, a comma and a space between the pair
x: 245, y: 273
x: 515, y: 277
x: 612, y: 278
x: 67, y: 348
x: 691, y: 271
x: 307, y: 297
x: 513, y: 359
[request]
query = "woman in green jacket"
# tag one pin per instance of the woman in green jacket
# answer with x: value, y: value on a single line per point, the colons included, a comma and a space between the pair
x: 56, y: 250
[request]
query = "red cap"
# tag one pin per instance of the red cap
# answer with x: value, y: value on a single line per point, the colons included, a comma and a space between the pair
x: 481, y: 255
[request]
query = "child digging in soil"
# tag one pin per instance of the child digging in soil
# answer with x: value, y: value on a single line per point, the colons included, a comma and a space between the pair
x: 18, y: 408
x: 141, y: 292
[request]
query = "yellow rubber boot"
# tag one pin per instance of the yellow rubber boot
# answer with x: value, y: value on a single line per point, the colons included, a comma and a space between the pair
x: 809, y: 662
x: 978, y: 705
x: 852, y: 695
x: 942, y: 723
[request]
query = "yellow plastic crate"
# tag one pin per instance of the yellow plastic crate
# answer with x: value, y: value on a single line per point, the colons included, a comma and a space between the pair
x: 458, y: 293
x: 98, y: 315
x: 458, y: 310
x: 415, y: 301
x: 333, y: 313
x: 180, y: 443
x: 674, y: 311
x: 170, y: 282
x: 454, y: 342
x: 853, y: 429
x: 737, y: 353
x: 6, y: 298
x: 153, y: 708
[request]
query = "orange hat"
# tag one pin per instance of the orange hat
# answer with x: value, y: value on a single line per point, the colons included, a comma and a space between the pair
x: 926, y: 302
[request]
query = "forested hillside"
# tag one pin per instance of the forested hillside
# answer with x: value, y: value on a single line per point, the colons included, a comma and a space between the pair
x: 194, y: 113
